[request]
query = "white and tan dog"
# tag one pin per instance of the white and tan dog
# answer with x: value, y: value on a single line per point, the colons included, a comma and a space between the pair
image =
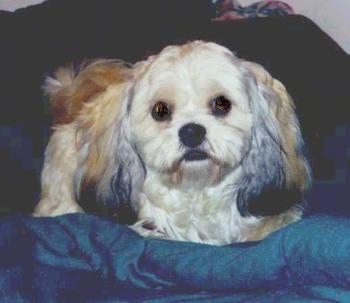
x: 195, y: 143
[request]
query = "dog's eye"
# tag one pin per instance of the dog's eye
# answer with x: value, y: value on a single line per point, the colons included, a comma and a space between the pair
x: 220, y: 106
x: 161, y: 111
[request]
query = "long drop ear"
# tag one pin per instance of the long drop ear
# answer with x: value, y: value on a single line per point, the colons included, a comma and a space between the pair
x: 276, y: 171
x: 110, y: 171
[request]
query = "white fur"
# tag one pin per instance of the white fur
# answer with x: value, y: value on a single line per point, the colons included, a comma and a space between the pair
x: 59, y: 198
x: 206, y: 216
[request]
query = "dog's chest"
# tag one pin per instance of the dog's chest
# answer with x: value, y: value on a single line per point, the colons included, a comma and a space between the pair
x: 206, y: 215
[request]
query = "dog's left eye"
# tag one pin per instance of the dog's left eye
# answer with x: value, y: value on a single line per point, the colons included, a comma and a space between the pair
x: 161, y: 111
x: 220, y: 106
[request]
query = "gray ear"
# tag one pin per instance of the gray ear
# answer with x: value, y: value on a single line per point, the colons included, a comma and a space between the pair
x: 127, y: 179
x: 274, y: 167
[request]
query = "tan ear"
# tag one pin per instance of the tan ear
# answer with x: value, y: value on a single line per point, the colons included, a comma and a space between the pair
x: 283, y: 110
x: 69, y: 90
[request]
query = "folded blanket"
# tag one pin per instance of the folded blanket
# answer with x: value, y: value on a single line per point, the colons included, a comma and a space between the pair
x: 83, y: 258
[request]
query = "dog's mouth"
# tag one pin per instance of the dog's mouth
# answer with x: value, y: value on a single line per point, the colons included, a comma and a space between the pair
x: 195, y: 155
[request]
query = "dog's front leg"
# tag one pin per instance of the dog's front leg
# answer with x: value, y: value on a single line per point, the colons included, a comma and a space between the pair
x: 61, y: 157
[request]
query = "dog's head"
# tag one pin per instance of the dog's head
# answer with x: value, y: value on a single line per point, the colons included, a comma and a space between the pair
x: 192, y: 115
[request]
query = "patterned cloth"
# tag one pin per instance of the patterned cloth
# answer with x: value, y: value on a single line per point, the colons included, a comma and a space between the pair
x: 227, y: 10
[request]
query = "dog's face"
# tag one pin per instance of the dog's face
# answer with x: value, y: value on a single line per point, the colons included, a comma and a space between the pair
x: 190, y: 114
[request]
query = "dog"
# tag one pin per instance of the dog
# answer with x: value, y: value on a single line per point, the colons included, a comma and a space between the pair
x: 192, y: 144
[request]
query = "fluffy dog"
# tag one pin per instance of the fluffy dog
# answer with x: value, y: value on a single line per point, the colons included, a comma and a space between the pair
x: 191, y: 144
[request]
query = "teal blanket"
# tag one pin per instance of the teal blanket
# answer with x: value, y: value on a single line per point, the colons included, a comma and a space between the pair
x: 83, y: 258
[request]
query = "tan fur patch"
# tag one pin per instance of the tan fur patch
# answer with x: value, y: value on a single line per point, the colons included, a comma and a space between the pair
x: 92, y: 80
x: 271, y: 224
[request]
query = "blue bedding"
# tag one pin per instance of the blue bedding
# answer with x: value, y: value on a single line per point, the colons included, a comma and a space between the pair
x: 84, y: 258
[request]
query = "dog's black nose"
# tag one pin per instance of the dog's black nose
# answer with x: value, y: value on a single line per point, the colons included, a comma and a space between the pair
x: 192, y: 134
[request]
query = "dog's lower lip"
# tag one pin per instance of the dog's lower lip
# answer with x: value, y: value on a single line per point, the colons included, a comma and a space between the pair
x: 195, y: 155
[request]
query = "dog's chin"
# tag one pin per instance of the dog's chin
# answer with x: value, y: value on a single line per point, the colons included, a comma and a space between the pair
x: 195, y: 169
x: 197, y: 174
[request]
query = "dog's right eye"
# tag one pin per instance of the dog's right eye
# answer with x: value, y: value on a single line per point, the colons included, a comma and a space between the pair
x: 221, y: 106
x: 161, y: 111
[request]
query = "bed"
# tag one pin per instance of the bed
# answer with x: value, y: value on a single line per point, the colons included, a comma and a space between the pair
x: 87, y: 258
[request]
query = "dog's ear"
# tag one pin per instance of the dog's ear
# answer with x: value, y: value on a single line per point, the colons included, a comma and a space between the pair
x: 276, y: 172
